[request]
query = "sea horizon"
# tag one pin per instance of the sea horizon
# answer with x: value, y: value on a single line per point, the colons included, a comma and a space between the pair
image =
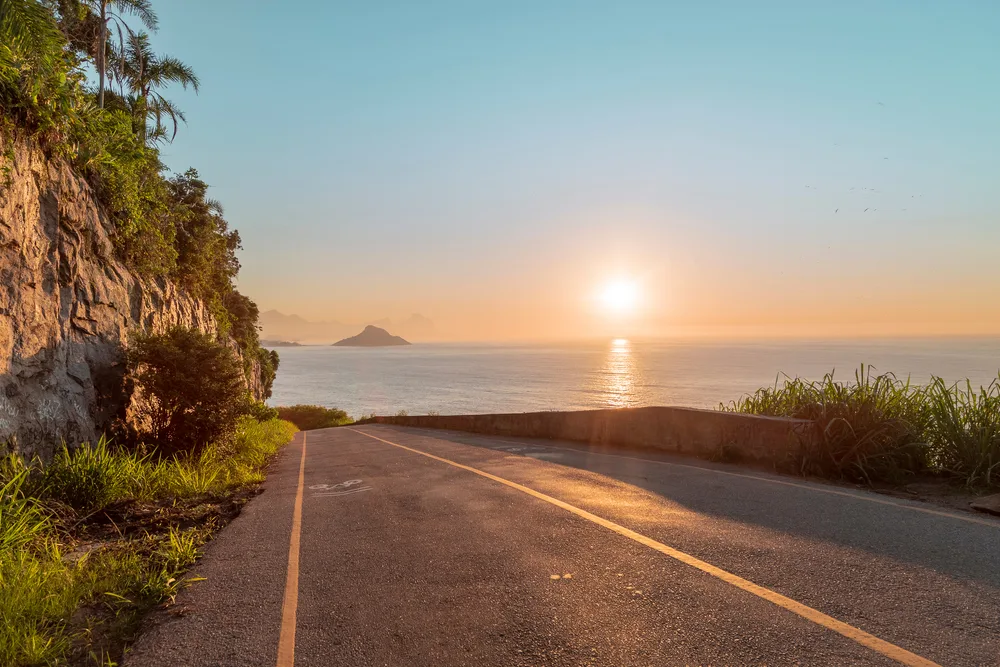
x: 481, y: 377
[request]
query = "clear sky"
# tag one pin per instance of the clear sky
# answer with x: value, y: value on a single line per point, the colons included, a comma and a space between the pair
x: 492, y: 165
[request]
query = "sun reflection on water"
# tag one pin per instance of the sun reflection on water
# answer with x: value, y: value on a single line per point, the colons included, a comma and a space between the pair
x: 617, y: 377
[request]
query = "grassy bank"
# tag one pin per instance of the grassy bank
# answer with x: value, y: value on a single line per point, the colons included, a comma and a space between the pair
x: 880, y: 428
x: 93, y: 540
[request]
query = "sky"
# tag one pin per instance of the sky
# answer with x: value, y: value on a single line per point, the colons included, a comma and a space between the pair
x: 493, y: 166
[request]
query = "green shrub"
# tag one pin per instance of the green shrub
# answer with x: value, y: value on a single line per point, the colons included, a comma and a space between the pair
x: 262, y: 412
x: 194, y: 385
x: 309, y: 417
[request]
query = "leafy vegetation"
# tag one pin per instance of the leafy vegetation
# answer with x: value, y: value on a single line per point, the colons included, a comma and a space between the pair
x: 309, y: 417
x: 880, y: 428
x: 192, y: 385
x: 81, y: 607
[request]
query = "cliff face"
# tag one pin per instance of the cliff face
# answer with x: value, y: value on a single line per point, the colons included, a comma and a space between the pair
x: 67, y: 306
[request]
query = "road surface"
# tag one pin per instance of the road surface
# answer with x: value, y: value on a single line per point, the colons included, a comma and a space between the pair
x: 380, y: 545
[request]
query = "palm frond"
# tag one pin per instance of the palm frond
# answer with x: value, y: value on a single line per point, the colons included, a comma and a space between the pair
x: 172, y: 70
x: 142, y: 9
x: 27, y: 25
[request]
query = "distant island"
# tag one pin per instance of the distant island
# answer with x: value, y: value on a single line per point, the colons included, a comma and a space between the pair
x: 279, y: 326
x: 280, y: 343
x: 372, y: 336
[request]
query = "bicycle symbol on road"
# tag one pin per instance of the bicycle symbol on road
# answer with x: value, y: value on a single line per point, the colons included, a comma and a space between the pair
x: 341, y: 489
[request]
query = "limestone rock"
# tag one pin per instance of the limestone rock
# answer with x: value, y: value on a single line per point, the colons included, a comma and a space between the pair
x: 988, y: 504
x: 67, y: 306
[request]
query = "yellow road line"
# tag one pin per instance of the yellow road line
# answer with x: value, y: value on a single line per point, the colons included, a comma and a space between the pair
x: 286, y: 640
x: 887, y: 649
x: 809, y: 487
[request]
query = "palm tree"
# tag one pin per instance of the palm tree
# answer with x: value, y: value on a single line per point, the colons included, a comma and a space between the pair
x: 141, y: 75
x: 110, y: 12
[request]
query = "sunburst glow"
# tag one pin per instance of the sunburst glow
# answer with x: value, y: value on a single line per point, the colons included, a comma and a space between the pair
x: 620, y: 297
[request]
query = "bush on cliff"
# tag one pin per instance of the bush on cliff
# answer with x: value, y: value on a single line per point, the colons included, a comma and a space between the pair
x: 309, y: 417
x: 194, y: 385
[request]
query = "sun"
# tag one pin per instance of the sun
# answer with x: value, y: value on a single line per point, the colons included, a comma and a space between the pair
x: 620, y: 297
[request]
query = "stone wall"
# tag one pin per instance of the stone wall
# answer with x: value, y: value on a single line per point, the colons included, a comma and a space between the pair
x: 704, y: 433
x: 66, y: 307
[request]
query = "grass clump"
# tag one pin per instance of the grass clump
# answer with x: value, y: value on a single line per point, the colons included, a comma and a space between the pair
x: 309, y: 417
x: 964, y: 432
x: 75, y: 577
x: 883, y: 429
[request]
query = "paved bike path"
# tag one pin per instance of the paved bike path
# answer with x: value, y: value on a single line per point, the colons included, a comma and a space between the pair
x: 408, y: 560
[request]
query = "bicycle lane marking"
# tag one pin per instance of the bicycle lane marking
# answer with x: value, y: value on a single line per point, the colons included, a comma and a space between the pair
x: 289, y: 607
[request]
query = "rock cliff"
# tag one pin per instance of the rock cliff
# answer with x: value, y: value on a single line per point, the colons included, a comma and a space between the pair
x: 67, y: 306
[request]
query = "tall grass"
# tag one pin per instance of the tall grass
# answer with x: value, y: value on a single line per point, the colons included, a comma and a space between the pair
x: 22, y: 520
x: 964, y: 432
x: 42, y: 591
x: 881, y: 428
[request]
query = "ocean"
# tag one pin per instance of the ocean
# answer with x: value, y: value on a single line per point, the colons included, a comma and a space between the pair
x: 450, y: 378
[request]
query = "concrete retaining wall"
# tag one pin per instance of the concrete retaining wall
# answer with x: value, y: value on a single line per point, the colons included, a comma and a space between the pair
x: 704, y: 433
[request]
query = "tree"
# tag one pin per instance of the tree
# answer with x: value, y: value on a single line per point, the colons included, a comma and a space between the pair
x: 141, y: 75
x: 206, y: 247
x: 110, y: 12
x: 193, y: 384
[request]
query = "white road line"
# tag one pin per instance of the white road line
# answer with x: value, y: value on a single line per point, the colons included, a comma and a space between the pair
x: 808, y: 487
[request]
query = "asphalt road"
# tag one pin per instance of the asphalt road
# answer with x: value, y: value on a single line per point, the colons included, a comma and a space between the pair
x: 414, y: 547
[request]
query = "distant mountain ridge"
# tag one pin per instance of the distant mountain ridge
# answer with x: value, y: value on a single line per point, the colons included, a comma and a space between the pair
x: 372, y: 336
x: 276, y: 325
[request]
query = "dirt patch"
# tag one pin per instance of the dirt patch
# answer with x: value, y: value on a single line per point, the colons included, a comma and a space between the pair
x: 103, y: 629
x: 128, y: 519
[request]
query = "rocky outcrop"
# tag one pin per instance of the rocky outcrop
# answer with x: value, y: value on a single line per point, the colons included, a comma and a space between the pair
x: 372, y: 336
x: 67, y: 306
